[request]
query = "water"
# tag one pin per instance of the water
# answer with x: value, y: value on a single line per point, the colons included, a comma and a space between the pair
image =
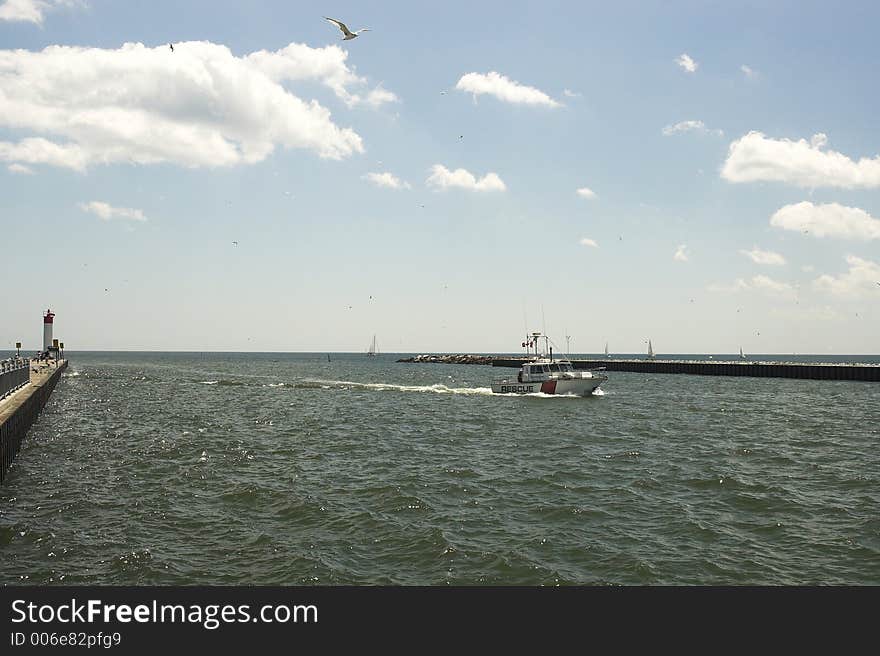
x: 183, y: 469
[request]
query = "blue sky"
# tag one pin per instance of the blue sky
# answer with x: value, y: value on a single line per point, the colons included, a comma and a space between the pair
x: 730, y: 151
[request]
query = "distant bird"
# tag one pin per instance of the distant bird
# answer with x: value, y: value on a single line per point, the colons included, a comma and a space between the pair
x: 235, y: 243
x: 461, y: 136
x: 348, y: 34
x: 171, y: 45
x: 106, y: 290
x: 442, y: 93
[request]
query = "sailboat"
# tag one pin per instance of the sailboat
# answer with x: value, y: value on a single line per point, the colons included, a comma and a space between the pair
x: 650, y: 350
x: 372, y: 350
x: 741, y: 356
x: 606, y: 350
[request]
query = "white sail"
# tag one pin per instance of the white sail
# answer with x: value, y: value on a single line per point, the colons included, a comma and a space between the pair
x: 742, y: 357
x: 372, y: 350
x: 650, y: 350
x: 606, y: 350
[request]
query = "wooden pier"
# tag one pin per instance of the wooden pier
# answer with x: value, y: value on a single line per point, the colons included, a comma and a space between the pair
x: 19, y: 410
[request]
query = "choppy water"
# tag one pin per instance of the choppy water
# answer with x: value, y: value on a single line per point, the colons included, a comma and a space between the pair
x: 288, y: 469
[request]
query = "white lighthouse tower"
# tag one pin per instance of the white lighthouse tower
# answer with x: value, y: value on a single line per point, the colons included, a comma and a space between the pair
x: 47, y: 329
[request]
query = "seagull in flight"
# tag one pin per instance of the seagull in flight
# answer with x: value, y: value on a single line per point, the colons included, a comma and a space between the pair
x: 348, y: 34
x: 171, y: 45
x: 235, y: 242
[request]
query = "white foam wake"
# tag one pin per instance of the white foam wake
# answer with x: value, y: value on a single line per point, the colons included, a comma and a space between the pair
x: 383, y: 387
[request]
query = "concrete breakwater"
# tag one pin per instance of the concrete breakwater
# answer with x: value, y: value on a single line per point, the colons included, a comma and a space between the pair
x: 812, y: 371
x: 19, y: 410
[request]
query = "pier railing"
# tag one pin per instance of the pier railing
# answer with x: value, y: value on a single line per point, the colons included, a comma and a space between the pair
x: 14, y: 373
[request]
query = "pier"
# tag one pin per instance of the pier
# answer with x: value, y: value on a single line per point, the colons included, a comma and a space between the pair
x: 812, y: 371
x: 804, y: 370
x: 26, y: 386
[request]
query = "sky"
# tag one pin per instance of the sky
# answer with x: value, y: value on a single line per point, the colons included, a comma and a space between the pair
x: 705, y: 175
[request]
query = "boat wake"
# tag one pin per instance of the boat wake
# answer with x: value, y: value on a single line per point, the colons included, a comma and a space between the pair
x: 386, y: 387
x: 438, y: 388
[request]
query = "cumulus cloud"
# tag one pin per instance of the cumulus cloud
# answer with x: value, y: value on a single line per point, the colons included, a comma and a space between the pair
x: 758, y: 256
x: 586, y: 192
x: 504, y: 89
x: 200, y: 106
x: 589, y: 242
x: 680, y: 254
x: 827, y: 220
x: 30, y: 11
x: 107, y: 212
x: 568, y: 93
x: 686, y: 62
x: 757, y: 158
x: 748, y: 71
x: 297, y: 62
x: 690, y: 126
x: 386, y: 179
x: 760, y: 283
x: 443, y: 178
x: 862, y: 279
x: 20, y: 168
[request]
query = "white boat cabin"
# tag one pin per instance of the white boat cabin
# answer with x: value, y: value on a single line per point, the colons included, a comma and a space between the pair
x: 536, y: 372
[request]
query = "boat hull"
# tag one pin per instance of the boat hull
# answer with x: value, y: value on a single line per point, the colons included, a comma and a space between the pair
x: 561, y: 386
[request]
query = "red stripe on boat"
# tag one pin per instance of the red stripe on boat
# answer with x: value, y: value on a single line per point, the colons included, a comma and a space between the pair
x: 548, y: 387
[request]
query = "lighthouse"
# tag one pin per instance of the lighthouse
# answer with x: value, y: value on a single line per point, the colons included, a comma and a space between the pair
x: 47, y: 329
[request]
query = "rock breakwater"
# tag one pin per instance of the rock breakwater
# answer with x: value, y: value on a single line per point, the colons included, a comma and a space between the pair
x: 460, y: 358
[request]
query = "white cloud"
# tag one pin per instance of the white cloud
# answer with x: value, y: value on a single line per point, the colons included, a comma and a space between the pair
x: 807, y: 268
x: 386, y: 179
x: 200, y: 106
x: 108, y: 212
x: 504, y: 89
x: 828, y: 220
x: 20, y: 168
x: 764, y: 257
x: 586, y: 192
x: 297, y: 62
x: 760, y: 283
x: 680, y: 254
x: 749, y: 71
x: 686, y: 62
x: 30, y: 11
x: 568, y: 93
x: 690, y: 126
x: 589, y: 242
x: 861, y: 279
x: 443, y: 178
x: 757, y: 158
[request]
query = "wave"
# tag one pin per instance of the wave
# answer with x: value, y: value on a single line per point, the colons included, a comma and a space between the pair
x: 385, y: 387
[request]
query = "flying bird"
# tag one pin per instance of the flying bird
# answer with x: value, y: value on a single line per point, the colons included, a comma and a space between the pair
x: 235, y: 242
x: 348, y: 34
x: 171, y: 45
